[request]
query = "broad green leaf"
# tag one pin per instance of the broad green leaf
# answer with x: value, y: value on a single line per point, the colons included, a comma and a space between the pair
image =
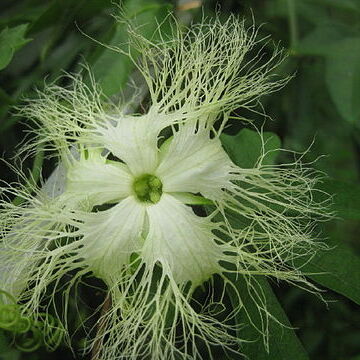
x: 336, y: 268
x: 342, y: 70
x: 283, y: 342
x: 320, y: 40
x: 343, y: 78
x: 339, y: 270
x: 339, y: 44
x: 11, y: 40
x: 246, y: 147
x: 339, y: 264
x: 346, y: 198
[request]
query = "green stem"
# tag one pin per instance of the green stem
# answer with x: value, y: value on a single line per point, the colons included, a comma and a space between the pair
x: 293, y: 28
x: 96, y: 350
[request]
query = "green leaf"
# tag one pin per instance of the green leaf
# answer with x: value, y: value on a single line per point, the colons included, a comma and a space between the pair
x: 283, y: 342
x: 340, y: 46
x: 339, y: 267
x: 343, y: 78
x: 346, y: 198
x: 11, y: 40
x: 246, y: 147
x: 320, y: 40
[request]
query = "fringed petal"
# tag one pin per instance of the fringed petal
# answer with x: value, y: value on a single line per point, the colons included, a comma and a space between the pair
x: 98, y: 182
x: 194, y: 163
x: 181, y: 242
x: 110, y: 237
x: 134, y: 140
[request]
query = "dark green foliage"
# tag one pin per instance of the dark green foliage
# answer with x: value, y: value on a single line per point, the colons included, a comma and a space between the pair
x: 11, y: 40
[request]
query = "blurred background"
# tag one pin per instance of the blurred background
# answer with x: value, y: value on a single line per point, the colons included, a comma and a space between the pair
x: 320, y: 106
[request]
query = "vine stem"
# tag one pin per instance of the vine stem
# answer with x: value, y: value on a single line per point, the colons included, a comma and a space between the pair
x: 96, y: 350
x: 292, y: 24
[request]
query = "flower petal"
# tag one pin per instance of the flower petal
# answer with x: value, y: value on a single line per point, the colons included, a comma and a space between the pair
x: 181, y: 241
x: 96, y: 181
x: 111, y: 236
x: 133, y: 139
x: 194, y: 163
x: 14, y: 269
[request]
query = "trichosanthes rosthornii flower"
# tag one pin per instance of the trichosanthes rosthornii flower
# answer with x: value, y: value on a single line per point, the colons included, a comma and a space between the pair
x: 146, y: 200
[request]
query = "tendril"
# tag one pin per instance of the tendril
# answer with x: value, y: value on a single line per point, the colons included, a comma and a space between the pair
x: 29, y: 341
x: 9, y: 316
x: 52, y: 329
x: 29, y: 333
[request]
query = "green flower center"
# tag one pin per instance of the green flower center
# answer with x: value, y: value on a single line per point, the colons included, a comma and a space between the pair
x: 148, y: 188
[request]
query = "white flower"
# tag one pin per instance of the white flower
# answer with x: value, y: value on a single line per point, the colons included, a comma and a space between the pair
x: 150, y: 216
x: 126, y: 213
